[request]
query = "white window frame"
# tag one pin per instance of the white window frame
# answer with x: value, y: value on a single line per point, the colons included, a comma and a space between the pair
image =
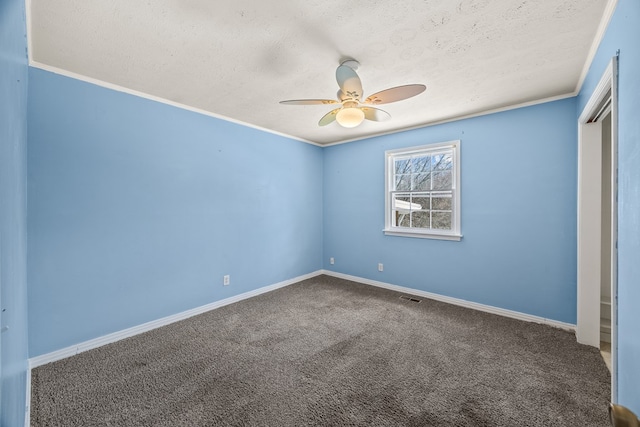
x: 389, y: 228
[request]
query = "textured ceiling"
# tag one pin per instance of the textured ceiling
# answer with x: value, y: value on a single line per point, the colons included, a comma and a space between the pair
x: 237, y: 59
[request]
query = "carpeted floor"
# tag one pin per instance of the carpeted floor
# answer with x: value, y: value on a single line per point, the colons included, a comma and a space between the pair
x: 329, y: 352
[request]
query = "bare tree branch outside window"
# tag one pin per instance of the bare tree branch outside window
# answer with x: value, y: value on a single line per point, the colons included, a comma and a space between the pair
x: 423, y: 191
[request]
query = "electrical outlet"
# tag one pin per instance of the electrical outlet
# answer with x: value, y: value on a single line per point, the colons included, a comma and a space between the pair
x: 332, y: 261
x: 226, y: 280
x: 380, y: 267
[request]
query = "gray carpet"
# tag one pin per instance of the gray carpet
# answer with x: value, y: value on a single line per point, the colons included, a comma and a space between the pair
x: 329, y: 352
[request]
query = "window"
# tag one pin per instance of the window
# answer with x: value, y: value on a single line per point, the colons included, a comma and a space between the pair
x: 422, y: 189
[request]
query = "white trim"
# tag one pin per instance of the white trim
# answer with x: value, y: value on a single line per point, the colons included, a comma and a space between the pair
x: 602, y: 29
x: 123, y: 89
x: 606, y: 18
x: 116, y: 336
x: 456, y: 301
x: 614, y: 230
x: 419, y: 235
x: 428, y: 149
x: 436, y: 148
x: 107, y: 85
x: 589, y: 233
x: 598, y: 94
x: 458, y: 118
x: 609, y: 9
x: 135, y: 330
x: 588, y: 301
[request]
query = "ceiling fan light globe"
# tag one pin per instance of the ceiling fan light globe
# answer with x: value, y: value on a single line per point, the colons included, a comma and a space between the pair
x: 350, y: 117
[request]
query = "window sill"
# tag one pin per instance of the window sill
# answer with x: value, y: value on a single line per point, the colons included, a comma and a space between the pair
x: 436, y: 236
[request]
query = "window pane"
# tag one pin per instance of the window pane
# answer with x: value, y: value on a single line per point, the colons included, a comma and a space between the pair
x: 421, y: 191
x: 441, y: 220
x: 403, y: 182
x: 421, y: 164
x: 441, y: 203
x: 442, y: 162
x: 403, y: 166
x: 421, y: 182
x: 402, y: 209
x: 402, y: 220
x: 442, y: 180
x: 420, y: 219
x: 420, y: 203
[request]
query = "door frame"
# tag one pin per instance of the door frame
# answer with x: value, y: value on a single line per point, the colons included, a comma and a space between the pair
x: 589, y: 225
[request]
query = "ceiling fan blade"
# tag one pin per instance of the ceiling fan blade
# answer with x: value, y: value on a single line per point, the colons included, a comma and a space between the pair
x: 349, y: 82
x: 375, y: 114
x: 329, y: 117
x: 395, y: 94
x: 309, y: 102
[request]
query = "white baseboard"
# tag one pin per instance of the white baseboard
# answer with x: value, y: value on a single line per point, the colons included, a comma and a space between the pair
x: 456, y: 301
x: 116, y: 336
x: 135, y: 330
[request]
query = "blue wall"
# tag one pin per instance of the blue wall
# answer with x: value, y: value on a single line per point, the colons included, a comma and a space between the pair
x: 623, y: 33
x: 13, y: 229
x: 518, y: 189
x: 137, y: 209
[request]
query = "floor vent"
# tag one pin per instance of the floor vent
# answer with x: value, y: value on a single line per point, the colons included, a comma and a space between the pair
x: 410, y: 298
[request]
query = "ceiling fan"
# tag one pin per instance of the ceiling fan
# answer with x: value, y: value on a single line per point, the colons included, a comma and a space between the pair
x: 353, y: 111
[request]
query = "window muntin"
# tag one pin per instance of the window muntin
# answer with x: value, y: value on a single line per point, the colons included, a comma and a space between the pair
x: 422, y: 191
